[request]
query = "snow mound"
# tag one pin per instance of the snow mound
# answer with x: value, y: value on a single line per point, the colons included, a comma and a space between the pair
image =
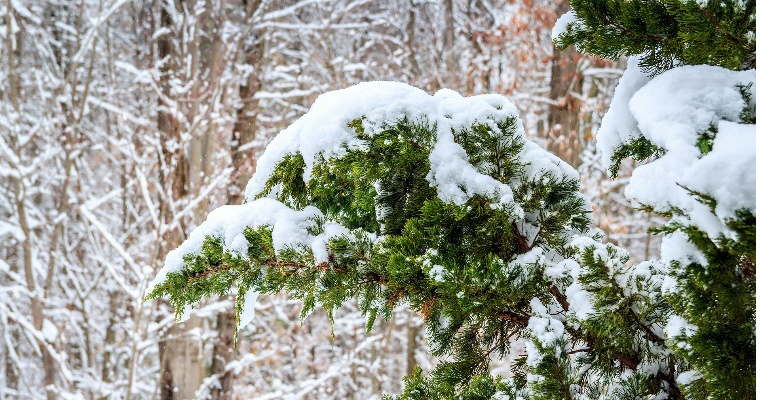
x: 618, y: 124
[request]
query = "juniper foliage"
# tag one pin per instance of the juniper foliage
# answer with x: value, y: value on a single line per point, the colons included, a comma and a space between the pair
x: 715, y: 296
x: 666, y: 33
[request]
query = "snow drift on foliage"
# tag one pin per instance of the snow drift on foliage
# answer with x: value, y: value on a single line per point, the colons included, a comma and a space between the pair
x: 672, y: 110
x: 564, y: 23
x: 289, y: 229
x: 618, y: 124
x: 324, y: 131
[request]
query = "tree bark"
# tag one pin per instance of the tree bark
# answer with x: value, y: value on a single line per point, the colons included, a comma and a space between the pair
x: 180, y: 352
x: 224, y: 352
x: 448, y: 38
x: 243, y: 164
x: 11, y: 374
x: 35, y: 296
x: 181, y: 361
x: 411, y: 342
x: 563, y: 130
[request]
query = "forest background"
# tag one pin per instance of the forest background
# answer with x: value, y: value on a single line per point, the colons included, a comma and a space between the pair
x: 123, y: 122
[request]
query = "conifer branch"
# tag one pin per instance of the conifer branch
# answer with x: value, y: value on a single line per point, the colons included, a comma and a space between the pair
x: 748, y: 268
x: 521, y: 242
x: 207, y: 272
x: 630, y: 32
x: 715, y: 23
x: 560, y: 297
x: 561, y: 381
x: 514, y: 317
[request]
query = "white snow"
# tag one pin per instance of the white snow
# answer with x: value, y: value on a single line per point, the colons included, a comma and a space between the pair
x: 677, y: 326
x: 676, y: 105
x: 687, y: 377
x: 324, y: 131
x: 49, y: 330
x: 677, y: 247
x: 12, y: 230
x: 546, y: 329
x: 564, y: 23
x: 618, y: 124
x: 457, y: 180
x: 728, y: 172
x: 535, y: 255
x: 437, y: 272
x: 671, y: 110
x: 289, y: 228
x: 249, y: 308
x: 568, y: 267
x: 579, y: 301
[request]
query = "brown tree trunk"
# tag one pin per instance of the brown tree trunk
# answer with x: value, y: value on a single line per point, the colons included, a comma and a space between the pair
x: 411, y: 342
x: 224, y: 351
x: 448, y: 37
x: 106, y: 372
x: 180, y: 352
x: 181, y: 361
x: 38, y: 318
x: 563, y: 131
x: 243, y: 164
x: 11, y: 374
x: 244, y: 131
x: 36, y: 297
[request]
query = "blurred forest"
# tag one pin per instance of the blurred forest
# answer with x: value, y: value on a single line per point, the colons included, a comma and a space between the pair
x: 124, y: 122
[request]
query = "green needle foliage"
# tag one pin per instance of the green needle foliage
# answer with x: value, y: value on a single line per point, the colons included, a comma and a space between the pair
x: 666, y: 33
x: 715, y: 296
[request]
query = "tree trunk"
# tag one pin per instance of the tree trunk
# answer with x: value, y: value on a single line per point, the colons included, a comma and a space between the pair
x: 224, y: 352
x: 106, y: 372
x: 35, y: 296
x: 243, y: 164
x: 11, y: 374
x: 181, y: 361
x: 181, y: 352
x: 448, y: 40
x: 411, y: 342
x: 563, y: 131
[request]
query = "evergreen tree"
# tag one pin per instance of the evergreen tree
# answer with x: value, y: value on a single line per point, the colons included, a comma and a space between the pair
x: 711, y: 282
x: 384, y: 193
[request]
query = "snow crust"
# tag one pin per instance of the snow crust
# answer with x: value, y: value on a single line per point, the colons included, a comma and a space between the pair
x: 671, y: 110
x: 324, y: 131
